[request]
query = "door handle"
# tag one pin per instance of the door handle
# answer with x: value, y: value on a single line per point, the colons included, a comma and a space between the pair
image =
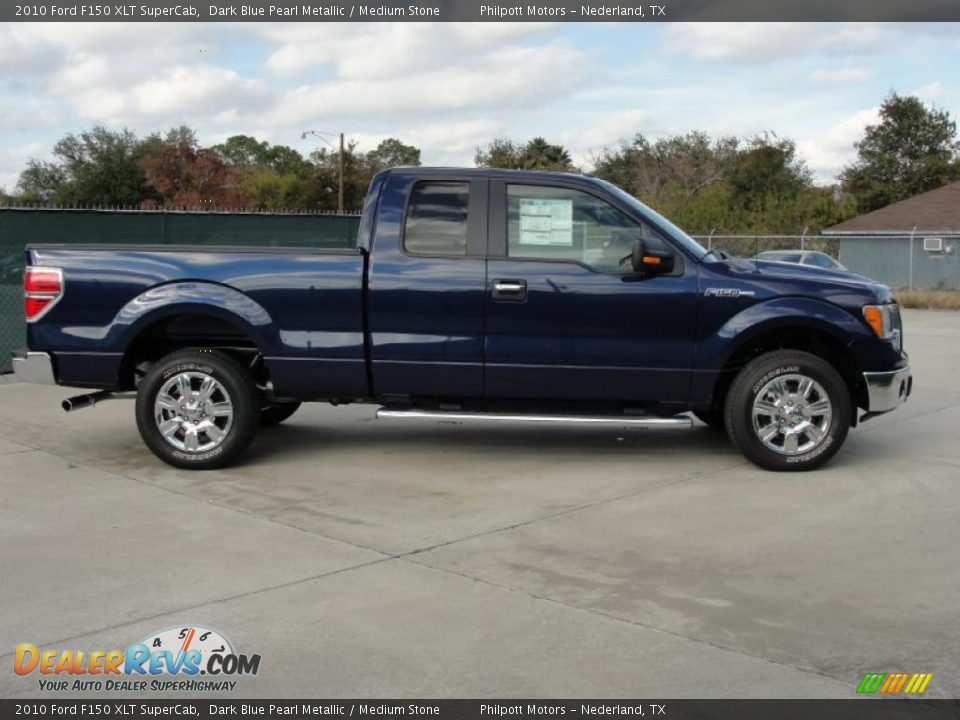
x: 515, y: 290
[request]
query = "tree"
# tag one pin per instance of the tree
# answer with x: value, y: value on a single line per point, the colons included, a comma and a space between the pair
x: 681, y: 165
x: 244, y: 151
x: 500, y: 153
x: 358, y: 170
x: 392, y: 153
x: 766, y: 170
x: 41, y: 182
x: 270, y: 189
x: 537, y: 154
x: 727, y: 185
x: 911, y: 150
x: 96, y: 167
x: 357, y: 174
x: 185, y: 175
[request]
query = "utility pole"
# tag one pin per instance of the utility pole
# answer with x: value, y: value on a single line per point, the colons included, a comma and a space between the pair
x: 320, y: 134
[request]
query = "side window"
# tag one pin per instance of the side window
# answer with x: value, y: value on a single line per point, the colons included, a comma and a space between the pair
x: 436, y: 222
x: 553, y: 223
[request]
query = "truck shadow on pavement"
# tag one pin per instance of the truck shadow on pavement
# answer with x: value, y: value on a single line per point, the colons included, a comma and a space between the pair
x: 303, y: 441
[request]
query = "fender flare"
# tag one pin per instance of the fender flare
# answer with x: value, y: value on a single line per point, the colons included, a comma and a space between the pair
x: 195, y: 298
x: 778, y: 313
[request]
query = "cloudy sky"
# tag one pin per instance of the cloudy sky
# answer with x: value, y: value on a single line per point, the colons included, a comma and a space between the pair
x: 447, y: 87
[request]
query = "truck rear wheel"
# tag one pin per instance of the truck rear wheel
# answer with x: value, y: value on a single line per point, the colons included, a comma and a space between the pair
x: 788, y: 410
x: 197, y: 409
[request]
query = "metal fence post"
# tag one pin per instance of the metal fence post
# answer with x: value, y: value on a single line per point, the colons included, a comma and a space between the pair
x: 803, y: 237
x: 910, y: 272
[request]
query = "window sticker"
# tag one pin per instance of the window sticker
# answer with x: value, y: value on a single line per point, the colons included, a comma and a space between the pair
x: 546, y: 222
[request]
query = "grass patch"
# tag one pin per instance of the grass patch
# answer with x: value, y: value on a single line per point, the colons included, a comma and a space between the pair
x: 929, y: 299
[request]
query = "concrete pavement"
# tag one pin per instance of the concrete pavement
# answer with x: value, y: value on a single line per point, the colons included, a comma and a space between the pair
x: 374, y: 558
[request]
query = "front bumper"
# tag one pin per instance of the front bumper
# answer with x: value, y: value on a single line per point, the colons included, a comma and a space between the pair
x: 888, y: 390
x: 33, y: 367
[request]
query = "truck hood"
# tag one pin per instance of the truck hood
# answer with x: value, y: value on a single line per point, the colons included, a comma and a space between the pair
x: 793, y: 278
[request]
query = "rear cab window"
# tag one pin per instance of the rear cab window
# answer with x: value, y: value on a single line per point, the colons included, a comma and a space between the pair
x: 437, y: 219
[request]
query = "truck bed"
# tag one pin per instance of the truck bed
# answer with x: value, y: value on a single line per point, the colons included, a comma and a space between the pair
x: 303, y: 309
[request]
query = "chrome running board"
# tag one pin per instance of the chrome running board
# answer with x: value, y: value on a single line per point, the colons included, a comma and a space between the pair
x: 678, y: 422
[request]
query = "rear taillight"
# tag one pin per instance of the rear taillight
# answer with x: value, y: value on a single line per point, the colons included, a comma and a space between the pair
x: 42, y: 289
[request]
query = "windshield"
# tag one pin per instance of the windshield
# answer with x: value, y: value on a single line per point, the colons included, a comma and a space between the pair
x: 679, y: 235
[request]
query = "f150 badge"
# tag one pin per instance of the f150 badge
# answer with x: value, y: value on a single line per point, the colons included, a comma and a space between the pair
x: 727, y: 292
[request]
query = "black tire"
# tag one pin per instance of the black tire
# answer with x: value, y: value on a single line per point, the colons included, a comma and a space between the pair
x: 275, y: 414
x: 712, y: 418
x: 234, y: 393
x: 830, y: 430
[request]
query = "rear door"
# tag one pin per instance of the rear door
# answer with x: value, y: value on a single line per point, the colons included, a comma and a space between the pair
x: 427, y: 278
x: 567, y: 317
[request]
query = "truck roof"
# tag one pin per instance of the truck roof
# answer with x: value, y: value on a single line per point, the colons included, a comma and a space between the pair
x: 484, y: 172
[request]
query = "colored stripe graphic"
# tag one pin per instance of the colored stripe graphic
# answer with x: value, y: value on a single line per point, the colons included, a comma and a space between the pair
x: 918, y: 683
x: 895, y: 683
x: 871, y: 682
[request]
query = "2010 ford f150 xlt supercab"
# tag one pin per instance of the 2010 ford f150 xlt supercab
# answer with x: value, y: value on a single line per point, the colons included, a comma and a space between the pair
x: 471, y: 294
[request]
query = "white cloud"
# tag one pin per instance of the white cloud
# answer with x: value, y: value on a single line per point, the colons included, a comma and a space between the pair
x: 386, y: 50
x: 20, y: 52
x: 929, y: 93
x: 604, y: 131
x: 196, y: 91
x: 828, y: 153
x: 514, y: 78
x: 839, y: 76
x: 762, y: 42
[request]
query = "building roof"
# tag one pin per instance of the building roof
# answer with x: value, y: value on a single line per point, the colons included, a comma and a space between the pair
x: 933, y: 211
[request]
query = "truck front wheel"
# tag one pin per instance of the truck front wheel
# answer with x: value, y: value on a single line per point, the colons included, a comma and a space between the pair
x: 197, y: 409
x: 788, y: 410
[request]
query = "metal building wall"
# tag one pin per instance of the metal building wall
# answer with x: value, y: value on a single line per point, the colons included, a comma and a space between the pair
x: 887, y: 258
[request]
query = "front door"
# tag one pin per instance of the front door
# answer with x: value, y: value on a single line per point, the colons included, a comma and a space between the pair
x: 567, y: 317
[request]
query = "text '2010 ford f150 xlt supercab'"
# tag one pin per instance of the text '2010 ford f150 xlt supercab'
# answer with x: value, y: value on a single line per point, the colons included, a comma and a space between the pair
x: 471, y: 294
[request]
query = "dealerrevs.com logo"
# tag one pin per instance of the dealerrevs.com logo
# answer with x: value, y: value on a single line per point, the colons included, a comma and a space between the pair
x: 170, y: 660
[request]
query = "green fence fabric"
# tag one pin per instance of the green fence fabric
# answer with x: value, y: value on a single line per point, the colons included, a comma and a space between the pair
x: 22, y: 226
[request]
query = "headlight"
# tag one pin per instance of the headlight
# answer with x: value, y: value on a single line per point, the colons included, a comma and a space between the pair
x: 884, y: 320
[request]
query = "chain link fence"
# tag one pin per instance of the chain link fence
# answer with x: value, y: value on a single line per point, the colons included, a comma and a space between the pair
x: 751, y: 245
x: 20, y: 226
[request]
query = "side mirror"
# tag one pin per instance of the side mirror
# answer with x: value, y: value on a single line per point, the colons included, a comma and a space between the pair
x: 647, y: 261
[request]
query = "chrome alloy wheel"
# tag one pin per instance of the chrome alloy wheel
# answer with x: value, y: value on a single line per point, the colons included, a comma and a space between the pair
x: 791, y: 414
x: 193, y: 412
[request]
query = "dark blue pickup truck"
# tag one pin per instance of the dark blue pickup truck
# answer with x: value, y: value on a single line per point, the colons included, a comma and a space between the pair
x: 472, y: 294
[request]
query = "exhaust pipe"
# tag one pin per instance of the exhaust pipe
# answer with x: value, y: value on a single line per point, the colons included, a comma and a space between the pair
x: 79, y: 402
